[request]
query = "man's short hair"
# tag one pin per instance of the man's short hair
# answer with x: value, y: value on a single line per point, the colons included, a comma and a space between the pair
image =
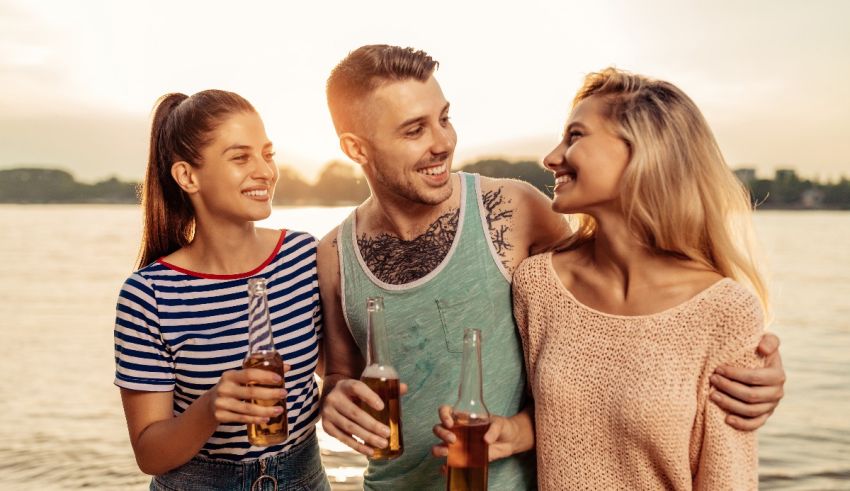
x: 364, y: 70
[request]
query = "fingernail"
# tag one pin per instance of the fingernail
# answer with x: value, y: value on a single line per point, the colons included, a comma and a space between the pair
x: 720, y: 370
x: 715, y: 397
x: 278, y: 410
x: 385, y: 431
x: 383, y: 443
x: 282, y: 393
x: 714, y: 379
x: 278, y: 378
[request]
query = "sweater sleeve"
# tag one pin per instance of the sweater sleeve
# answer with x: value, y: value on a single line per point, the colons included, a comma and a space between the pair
x: 142, y: 360
x: 726, y: 458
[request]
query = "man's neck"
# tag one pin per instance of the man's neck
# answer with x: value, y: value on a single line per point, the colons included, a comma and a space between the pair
x: 386, y: 213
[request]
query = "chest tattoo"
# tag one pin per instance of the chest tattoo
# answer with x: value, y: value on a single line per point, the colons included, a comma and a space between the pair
x: 396, y: 261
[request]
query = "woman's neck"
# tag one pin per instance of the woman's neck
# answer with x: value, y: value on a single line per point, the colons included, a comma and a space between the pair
x: 618, y: 254
x: 226, y: 249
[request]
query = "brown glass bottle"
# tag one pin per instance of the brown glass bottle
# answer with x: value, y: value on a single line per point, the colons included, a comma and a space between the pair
x: 263, y: 355
x: 467, y: 461
x: 383, y: 379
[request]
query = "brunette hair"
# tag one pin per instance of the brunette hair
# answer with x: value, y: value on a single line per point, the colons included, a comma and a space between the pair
x: 364, y: 70
x: 181, y: 128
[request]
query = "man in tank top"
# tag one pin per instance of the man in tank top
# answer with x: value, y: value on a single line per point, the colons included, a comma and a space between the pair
x: 440, y: 247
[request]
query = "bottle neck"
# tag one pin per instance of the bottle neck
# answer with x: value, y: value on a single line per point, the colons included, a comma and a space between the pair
x: 471, y: 393
x: 376, y: 333
x: 259, y: 319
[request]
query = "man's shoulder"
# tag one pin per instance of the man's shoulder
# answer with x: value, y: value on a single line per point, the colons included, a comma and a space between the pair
x: 327, y: 254
x: 506, y: 185
x: 329, y: 240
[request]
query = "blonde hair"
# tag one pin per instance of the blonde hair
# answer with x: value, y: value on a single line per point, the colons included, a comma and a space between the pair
x: 678, y: 195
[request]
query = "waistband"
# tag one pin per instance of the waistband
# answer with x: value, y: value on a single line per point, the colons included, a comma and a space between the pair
x: 299, y: 464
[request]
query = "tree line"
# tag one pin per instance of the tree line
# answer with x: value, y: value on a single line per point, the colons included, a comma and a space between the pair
x: 341, y: 183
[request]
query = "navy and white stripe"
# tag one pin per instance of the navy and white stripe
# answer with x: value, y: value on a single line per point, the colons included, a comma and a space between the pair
x: 178, y: 331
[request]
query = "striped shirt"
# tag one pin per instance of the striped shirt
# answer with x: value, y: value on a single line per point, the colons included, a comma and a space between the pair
x: 177, y: 330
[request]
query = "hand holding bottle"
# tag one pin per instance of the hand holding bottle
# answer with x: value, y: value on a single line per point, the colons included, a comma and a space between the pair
x: 504, y: 437
x: 369, y: 409
x: 343, y: 416
x: 229, y: 398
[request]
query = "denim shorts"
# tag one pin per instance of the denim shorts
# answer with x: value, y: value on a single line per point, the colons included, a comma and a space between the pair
x: 297, y: 469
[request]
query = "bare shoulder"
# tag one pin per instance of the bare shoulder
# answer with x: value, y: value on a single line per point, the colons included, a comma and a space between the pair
x: 520, y: 219
x: 500, y: 199
x: 510, y: 188
x: 519, y: 197
x: 328, y: 243
x: 327, y: 257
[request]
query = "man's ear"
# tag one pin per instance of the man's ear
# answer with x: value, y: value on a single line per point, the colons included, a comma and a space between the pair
x: 355, y: 147
x: 184, y: 175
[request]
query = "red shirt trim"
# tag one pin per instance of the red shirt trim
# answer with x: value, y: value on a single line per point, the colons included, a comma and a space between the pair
x: 237, y: 276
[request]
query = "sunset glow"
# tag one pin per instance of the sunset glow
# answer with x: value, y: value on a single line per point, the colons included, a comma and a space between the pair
x: 80, y: 78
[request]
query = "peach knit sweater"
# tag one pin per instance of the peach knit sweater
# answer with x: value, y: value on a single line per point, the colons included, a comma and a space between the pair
x: 621, y: 402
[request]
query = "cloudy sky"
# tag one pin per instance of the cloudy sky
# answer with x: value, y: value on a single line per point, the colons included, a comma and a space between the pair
x: 79, y: 78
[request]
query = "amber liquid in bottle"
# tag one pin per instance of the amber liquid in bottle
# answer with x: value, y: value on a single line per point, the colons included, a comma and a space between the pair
x: 387, y: 390
x: 277, y: 429
x: 467, y: 460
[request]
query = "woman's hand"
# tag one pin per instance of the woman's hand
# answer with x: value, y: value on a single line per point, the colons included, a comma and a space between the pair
x: 229, y: 400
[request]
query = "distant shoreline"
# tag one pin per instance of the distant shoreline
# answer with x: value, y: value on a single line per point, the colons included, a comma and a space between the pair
x: 342, y: 184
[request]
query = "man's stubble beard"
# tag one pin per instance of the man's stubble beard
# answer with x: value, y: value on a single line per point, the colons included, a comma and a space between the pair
x: 397, y: 183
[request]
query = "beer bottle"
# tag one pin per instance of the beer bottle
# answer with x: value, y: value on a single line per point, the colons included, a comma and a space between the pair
x: 382, y: 378
x: 467, y: 462
x: 263, y: 355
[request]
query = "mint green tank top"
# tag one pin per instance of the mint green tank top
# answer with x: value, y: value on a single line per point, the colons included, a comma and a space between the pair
x: 425, y: 321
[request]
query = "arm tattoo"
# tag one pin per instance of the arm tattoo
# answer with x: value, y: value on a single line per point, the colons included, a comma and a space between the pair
x: 499, y: 217
x: 396, y: 261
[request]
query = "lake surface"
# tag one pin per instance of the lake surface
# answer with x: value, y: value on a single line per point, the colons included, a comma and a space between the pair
x: 63, y: 426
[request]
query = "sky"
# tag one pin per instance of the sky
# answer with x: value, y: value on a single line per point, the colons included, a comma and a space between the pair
x: 78, y: 79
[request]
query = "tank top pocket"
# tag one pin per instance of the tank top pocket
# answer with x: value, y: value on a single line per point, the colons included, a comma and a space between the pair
x: 457, y: 314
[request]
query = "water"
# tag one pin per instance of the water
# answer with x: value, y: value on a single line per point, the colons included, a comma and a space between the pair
x: 63, y: 426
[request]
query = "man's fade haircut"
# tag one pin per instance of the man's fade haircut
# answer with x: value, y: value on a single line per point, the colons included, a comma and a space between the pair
x: 364, y: 70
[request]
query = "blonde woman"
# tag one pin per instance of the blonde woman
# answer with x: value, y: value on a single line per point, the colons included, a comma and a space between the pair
x: 625, y: 323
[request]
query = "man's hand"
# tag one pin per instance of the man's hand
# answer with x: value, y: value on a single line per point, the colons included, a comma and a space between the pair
x: 343, y: 419
x: 505, y: 436
x: 750, y: 395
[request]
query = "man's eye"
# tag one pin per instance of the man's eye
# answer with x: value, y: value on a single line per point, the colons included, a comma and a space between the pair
x: 445, y: 120
x: 269, y: 155
x: 414, y: 132
x: 241, y: 158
